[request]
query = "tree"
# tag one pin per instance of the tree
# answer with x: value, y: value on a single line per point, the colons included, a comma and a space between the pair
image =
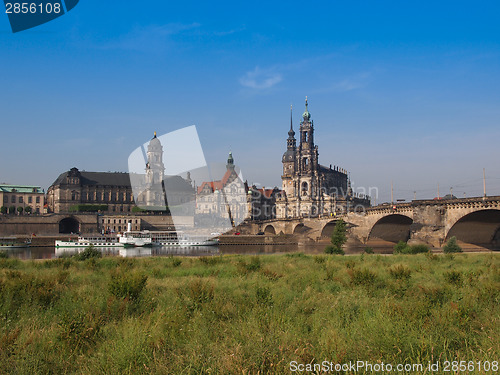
x: 338, y: 239
x: 20, y: 210
x: 4, y: 210
x: 12, y: 209
x: 452, y: 246
x: 28, y: 209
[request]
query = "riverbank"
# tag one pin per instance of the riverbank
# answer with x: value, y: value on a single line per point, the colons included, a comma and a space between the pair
x: 236, y: 314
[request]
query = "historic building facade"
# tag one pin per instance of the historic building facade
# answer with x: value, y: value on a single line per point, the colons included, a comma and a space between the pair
x: 114, y: 191
x: 22, y: 199
x: 224, y: 198
x: 309, y: 188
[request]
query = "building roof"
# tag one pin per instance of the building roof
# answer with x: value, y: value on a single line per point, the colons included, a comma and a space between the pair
x: 20, y: 188
x: 97, y: 178
x: 216, y: 185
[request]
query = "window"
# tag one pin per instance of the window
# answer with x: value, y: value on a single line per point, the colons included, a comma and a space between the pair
x: 30, y: 199
x: 5, y: 199
x: 20, y: 199
x: 37, y: 199
x: 13, y: 199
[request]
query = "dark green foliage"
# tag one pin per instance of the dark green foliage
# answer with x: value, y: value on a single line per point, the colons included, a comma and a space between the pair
x: 28, y: 209
x: 89, y: 253
x: 338, y: 239
x: 334, y: 250
x: 20, y: 209
x: 362, y: 276
x: 252, y: 266
x: 454, y: 277
x: 263, y: 296
x: 403, y: 248
x: 400, y: 272
x: 4, y: 210
x: 368, y: 250
x: 452, y: 246
x: 127, y: 285
x: 89, y: 208
x: 12, y: 210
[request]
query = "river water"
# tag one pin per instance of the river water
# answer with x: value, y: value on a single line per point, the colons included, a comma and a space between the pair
x: 50, y: 252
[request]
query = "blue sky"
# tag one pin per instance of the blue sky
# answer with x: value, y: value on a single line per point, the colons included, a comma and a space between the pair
x: 407, y: 92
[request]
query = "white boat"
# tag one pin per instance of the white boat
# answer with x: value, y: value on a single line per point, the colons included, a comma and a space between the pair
x: 96, y: 241
x: 173, y: 238
x: 13, y: 243
x: 135, y: 238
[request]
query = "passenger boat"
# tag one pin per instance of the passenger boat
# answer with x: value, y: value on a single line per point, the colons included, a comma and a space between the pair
x: 96, y: 241
x: 13, y: 243
x: 135, y: 238
x: 173, y: 238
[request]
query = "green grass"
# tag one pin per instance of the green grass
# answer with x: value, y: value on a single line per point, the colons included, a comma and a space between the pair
x: 245, y: 314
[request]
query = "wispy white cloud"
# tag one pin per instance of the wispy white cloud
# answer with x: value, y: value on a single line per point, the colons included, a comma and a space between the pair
x: 151, y: 37
x: 261, y: 78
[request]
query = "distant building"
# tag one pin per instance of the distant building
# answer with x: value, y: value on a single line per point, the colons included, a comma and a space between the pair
x: 262, y: 202
x: 225, y: 198
x: 76, y: 189
x: 309, y: 188
x: 30, y: 198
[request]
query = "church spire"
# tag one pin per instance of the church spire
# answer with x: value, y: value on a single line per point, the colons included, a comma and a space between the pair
x: 306, y: 115
x: 291, y: 133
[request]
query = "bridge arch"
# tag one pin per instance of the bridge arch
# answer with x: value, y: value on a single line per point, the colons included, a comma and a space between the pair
x: 392, y: 228
x: 328, y: 229
x: 69, y: 225
x: 481, y: 228
x: 269, y: 229
x: 299, y: 229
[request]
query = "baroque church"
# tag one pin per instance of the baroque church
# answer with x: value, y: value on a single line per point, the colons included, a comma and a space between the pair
x: 309, y: 188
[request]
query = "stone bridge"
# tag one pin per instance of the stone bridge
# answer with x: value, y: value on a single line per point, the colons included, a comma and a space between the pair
x: 473, y: 221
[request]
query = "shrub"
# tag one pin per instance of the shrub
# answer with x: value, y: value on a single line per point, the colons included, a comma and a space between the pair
x: 400, y: 248
x: 88, y: 253
x: 368, y: 250
x: 127, y: 285
x: 334, y: 250
x: 338, y: 239
x: 403, y: 248
x: 362, y: 277
x: 400, y: 272
x: 418, y: 249
x: 452, y: 246
x: 453, y: 277
x: 4, y: 210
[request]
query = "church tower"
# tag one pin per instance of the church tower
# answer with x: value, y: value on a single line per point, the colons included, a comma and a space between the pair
x: 307, y: 157
x: 289, y: 161
x: 155, y: 170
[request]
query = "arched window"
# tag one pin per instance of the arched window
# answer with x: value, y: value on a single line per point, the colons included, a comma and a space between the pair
x: 304, y: 188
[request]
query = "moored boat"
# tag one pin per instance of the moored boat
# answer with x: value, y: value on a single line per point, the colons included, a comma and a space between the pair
x: 85, y: 241
x: 13, y: 243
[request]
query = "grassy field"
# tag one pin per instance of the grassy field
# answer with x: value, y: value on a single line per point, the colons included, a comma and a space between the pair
x: 245, y: 314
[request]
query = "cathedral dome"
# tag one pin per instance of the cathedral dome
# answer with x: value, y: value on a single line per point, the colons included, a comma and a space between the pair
x: 289, y: 155
x: 154, y: 144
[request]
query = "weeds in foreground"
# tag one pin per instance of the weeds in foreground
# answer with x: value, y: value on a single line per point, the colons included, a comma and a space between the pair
x: 244, y: 314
